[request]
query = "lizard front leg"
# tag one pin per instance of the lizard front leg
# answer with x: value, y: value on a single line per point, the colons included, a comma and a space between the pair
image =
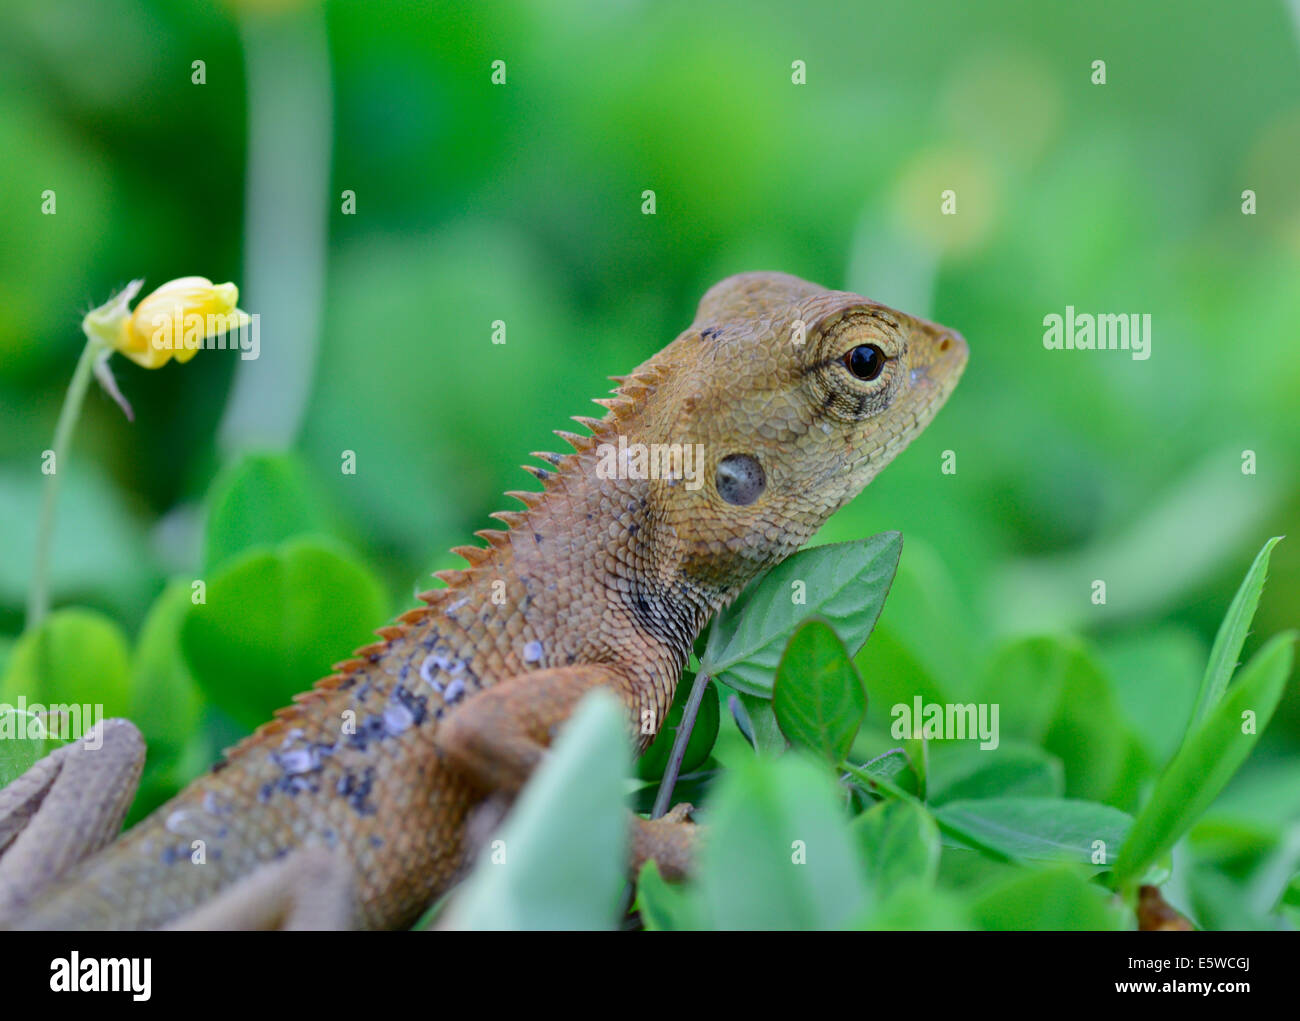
x: 501, y: 735
x: 65, y: 808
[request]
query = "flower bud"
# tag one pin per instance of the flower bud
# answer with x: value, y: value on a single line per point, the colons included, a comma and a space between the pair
x: 176, y: 319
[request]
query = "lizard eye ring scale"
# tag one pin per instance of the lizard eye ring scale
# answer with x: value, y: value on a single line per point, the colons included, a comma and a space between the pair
x: 602, y: 580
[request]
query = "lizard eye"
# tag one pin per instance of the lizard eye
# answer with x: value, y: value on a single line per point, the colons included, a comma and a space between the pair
x: 866, y: 361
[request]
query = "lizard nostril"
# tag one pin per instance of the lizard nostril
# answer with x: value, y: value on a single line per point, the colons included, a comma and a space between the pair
x: 945, y: 344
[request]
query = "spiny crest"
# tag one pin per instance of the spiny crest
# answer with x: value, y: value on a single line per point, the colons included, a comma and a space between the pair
x: 628, y: 398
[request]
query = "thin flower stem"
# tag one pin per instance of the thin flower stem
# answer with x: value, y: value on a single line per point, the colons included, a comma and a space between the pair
x: 665, y: 794
x: 38, y: 596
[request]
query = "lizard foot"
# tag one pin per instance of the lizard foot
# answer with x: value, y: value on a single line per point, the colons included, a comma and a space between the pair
x: 669, y: 842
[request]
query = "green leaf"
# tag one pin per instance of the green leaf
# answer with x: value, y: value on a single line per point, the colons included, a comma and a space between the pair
x: 694, y: 787
x: 916, y: 906
x: 74, y: 667
x: 1054, y: 899
x: 1155, y: 671
x: 653, y: 762
x: 897, y: 842
x: 961, y: 771
x: 1208, y: 758
x: 922, y: 643
x: 1041, y: 829
x: 779, y: 854
x: 562, y: 853
x: 757, y: 721
x: 818, y: 698
x: 664, y: 907
x: 22, y: 742
x: 165, y: 701
x: 273, y: 623
x: 1232, y: 636
x: 845, y: 584
x: 260, y: 500
x: 895, y: 767
x: 1051, y: 692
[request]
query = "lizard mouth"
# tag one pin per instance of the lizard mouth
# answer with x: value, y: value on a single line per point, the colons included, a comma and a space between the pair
x: 939, y: 359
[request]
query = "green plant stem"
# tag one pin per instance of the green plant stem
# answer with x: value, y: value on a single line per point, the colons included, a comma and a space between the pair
x: 664, y: 796
x: 38, y: 596
x: 286, y: 222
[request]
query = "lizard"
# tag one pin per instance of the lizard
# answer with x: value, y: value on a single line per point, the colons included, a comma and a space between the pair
x: 795, y: 395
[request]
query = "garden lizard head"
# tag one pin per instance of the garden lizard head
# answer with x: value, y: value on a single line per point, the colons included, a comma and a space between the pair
x: 796, y: 397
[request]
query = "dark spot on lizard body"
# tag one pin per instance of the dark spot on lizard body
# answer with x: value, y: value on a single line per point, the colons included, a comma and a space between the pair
x: 372, y: 728
x: 357, y: 790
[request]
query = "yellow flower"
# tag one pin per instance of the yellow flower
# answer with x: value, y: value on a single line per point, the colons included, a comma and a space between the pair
x: 175, y: 320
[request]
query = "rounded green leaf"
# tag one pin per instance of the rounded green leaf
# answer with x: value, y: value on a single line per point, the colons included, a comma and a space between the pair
x: 165, y: 702
x: 74, y: 667
x: 260, y: 500
x: 274, y: 621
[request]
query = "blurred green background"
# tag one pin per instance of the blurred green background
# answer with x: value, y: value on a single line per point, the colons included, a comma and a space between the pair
x: 522, y: 202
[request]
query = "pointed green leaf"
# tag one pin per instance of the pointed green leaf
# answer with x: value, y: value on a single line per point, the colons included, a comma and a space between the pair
x: 779, y: 854
x: 1208, y: 758
x: 818, y: 698
x: 845, y: 584
x: 897, y: 841
x: 1232, y: 636
x: 1042, y: 829
x: 757, y: 721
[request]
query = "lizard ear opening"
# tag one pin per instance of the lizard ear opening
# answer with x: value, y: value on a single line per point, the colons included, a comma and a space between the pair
x: 740, y: 479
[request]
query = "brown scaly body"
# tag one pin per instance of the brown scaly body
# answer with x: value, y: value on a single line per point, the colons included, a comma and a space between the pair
x: 599, y: 581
